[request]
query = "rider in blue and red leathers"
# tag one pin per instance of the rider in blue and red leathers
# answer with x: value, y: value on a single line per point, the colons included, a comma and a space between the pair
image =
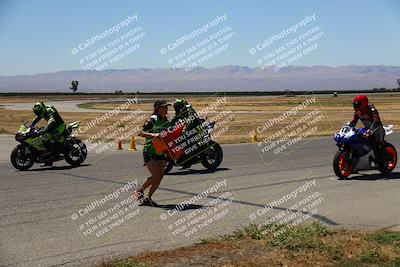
x: 369, y: 116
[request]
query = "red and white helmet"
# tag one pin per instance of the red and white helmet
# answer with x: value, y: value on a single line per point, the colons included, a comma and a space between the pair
x: 360, y: 102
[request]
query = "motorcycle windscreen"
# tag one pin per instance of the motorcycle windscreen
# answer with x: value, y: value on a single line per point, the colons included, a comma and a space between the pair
x: 169, y: 144
x: 22, y: 129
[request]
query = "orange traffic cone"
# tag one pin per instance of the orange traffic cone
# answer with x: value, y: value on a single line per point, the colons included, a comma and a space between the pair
x: 254, y: 138
x: 133, y: 144
x: 119, y: 145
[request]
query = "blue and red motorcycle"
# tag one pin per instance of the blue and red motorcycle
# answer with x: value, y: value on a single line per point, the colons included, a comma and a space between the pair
x: 356, y: 152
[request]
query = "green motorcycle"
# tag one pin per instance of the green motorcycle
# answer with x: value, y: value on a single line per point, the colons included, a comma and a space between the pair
x: 33, y: 150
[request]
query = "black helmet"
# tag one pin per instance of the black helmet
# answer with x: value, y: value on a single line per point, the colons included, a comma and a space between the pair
x: 179, y: 105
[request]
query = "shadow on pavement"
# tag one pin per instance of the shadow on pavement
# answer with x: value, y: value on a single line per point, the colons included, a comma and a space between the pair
x: 179, y: 207
x: 375, y: 176
x: 205, y: 171
x: 57, y: 168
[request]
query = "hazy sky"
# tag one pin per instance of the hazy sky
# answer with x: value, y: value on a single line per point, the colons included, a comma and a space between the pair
x: 37, y: 36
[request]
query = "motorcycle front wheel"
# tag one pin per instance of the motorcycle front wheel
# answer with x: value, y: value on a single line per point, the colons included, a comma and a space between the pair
x: 341, y: 164
x: 22, y: 158
x: 212, y: 156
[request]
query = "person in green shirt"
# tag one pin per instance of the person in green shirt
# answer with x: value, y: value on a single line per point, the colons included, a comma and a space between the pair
x: 154, y: 162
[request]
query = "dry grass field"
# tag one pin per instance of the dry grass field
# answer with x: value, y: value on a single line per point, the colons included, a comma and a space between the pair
x: 236, y: 116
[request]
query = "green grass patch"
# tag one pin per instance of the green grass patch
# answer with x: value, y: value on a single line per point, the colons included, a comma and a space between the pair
x: 369, y: 256
x: 254, y: 232
x: 301, y: 238
x: 385, y: 238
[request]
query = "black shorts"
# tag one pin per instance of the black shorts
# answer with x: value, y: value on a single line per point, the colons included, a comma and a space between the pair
x: 148, y: 156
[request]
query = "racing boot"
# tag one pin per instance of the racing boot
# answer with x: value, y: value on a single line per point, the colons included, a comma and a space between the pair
x: 47, y: 164
x: 185, y: 166
x: 50, y: 154
x: 381, y: 157
x: 184, y: 162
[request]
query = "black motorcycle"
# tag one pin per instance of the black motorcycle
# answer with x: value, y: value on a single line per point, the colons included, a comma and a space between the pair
x: 208, y: 153
x: 33, y: 150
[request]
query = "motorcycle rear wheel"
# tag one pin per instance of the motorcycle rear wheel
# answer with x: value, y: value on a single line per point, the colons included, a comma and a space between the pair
x: 76, y: 152
x: 391, y: 164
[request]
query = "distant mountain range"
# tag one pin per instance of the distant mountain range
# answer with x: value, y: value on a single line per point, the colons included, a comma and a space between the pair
x: 224, y: 78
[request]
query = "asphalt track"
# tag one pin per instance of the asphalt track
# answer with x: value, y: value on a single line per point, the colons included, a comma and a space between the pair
x: 37, y: 229
x: 72, y: 106
x: 69, y: 106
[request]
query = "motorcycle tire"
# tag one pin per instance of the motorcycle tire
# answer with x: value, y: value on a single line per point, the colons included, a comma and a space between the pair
x: 214, y: 150
x: 16, y: 153
x: 76, y: 152
x: 391, y: 164
x: 341, y: 165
